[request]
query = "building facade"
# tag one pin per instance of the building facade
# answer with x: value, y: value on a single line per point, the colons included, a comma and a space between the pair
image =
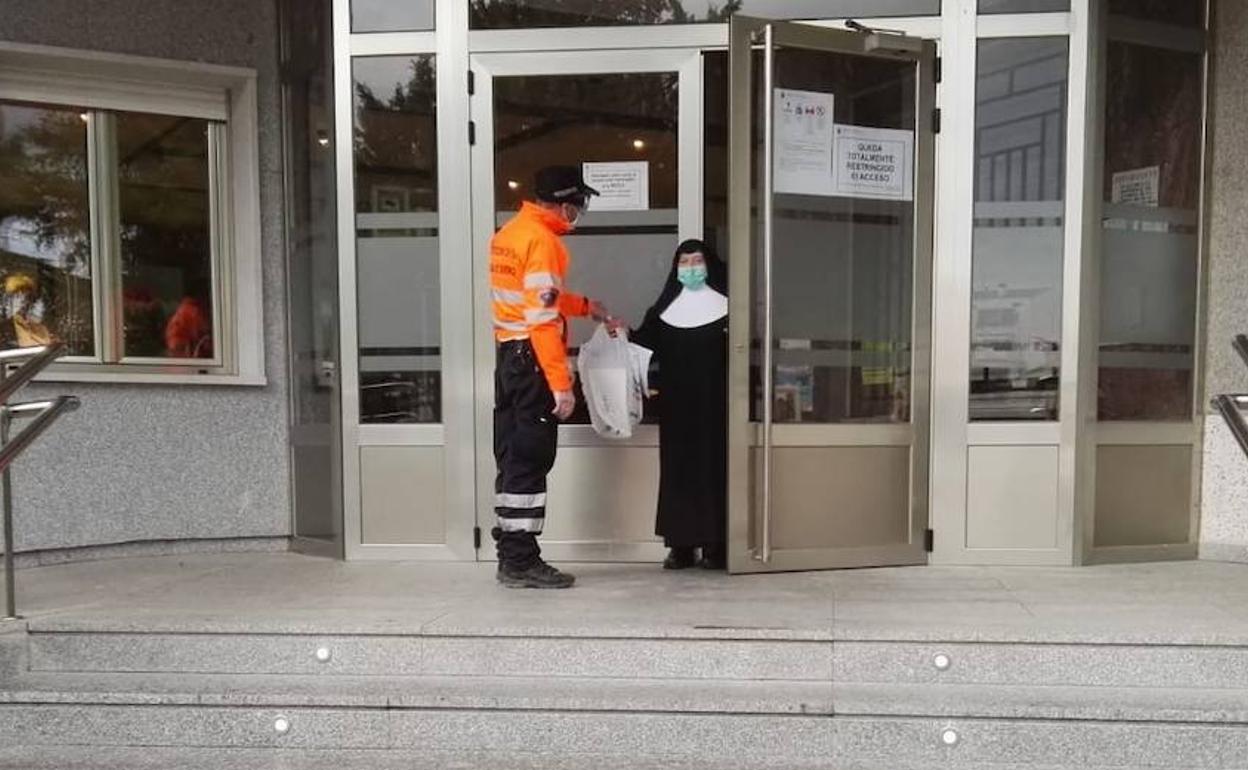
x: 261, y: 228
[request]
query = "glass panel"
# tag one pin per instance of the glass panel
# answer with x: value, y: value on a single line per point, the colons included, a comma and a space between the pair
x: 1022, y: 6
x: 619, y: 257
x: 844, y: 242
x: 1020, y: 179
x: 512, y: 14
x: 396, y: 204
x: 715, y: 150
x: 1187, y: 13
x: 45, y: 242
x: 391, y: 15
x: 1149, y: 233
x: 164, y: 207
x: 312, y: 266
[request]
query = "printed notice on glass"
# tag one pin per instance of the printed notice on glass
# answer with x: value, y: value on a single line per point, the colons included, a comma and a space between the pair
x: 874, y: 163
x: 1138, y: 187
x: 623, y: 186
x: 803, y: 142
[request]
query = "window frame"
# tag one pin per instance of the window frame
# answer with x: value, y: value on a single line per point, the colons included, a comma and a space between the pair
x: 102, y: 84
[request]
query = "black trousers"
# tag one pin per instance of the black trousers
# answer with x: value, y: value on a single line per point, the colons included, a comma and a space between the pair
x: 525, y: 437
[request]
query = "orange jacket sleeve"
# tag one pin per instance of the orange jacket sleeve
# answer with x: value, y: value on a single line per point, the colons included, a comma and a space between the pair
x: 573, y: 305
x: 544, y: 302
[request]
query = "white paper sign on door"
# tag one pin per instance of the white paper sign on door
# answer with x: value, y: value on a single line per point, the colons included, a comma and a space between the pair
x: 623, y: 186
x: 803, y: 142
x: 1138, y: 187
x: 874, y: 163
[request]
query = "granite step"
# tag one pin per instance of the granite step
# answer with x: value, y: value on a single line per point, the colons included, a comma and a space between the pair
x: 155, y: 758
x: 1061, y: 703
x: 719, y: 655
x: 422, y: 692
x: 753, y: 740
x: 1096, y: 664
x: 722, y: 658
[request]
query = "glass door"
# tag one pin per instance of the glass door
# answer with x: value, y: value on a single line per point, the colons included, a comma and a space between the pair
x: 831, y: 168
x: 633, y: 119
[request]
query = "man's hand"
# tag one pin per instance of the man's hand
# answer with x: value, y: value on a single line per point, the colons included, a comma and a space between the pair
x: 565, y: 402
x: 614, y: 325
x: 598, y: 311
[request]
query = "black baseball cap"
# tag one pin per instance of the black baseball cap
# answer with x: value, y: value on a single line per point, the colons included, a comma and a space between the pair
x: 562, y: 184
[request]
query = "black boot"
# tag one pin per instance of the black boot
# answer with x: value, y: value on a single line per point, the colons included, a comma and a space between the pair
x: 714, y: 557
x: 537, y: 575
x: 680, y: 558
x: 520, y: 563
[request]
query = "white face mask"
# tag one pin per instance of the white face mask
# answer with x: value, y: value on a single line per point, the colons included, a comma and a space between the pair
x: 577, y: 212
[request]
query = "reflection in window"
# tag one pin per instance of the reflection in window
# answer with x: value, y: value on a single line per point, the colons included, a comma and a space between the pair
x: 715, y: 150
x: 396, y: 204
x: 1020, y: 159
x: 843, y: 264
x: 1149, y: 233
x: 622, y: 249
x: 45, y: 245
x: 166, y: 242
x: 1022, y: 6
x: 513, y: 14
x: 1185, y: 13
x: 391, y: 16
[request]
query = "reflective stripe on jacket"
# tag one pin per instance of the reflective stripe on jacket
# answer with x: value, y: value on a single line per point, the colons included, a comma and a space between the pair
x: 528, y: 262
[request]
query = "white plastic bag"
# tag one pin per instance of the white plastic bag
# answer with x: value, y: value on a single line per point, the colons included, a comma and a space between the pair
x: 614, y: 378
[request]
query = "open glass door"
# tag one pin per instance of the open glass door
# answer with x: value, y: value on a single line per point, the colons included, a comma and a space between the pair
x: 831, y: 169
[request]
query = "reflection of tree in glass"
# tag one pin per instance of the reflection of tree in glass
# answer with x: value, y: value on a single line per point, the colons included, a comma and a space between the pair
x: 162, y: 169
x: 571, y: 119
x: 1152, y: 118
x: 501, y: 14
x: 396, y: 139
x: 44, y: 197
x: 1185, y: 12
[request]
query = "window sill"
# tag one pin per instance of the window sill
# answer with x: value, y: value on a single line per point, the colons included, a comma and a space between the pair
x: 154, y: 378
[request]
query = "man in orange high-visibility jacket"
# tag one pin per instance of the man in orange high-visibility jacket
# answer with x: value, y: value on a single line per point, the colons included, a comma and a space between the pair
x: 532, y: 380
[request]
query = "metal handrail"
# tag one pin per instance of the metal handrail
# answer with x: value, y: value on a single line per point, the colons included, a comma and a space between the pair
x: 42, y: 414
x: 1230, y: 404
x: 34, y: 361
x: 1240, y: 343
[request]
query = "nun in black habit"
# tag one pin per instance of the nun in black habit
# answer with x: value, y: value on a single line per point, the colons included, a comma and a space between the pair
x: 687, y: 328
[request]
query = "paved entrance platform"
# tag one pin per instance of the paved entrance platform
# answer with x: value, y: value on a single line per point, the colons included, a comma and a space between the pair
x: 281, y: 660
x: 1179, y: 602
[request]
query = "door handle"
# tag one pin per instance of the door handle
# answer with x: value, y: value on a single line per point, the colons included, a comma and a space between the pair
x: 769, y: 73
x: 326, y: 373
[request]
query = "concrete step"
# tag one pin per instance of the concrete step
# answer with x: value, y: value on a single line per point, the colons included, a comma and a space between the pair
x: 726, y: 655
x: 790, y: 741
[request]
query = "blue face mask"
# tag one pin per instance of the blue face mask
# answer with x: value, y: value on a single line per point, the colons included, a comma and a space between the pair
x: 692, y: 277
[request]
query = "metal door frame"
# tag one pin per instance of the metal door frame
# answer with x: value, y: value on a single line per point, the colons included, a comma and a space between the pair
x: 744, y: 436
x: 687, y: 64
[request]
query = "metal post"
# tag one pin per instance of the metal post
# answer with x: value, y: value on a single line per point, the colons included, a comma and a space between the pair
x: 6, y: 500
